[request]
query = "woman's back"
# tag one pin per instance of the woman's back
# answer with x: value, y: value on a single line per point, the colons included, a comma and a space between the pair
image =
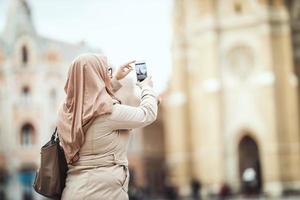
x: 102, y: 169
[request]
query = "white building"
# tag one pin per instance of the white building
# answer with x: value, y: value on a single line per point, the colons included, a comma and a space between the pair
x: 32, y: 75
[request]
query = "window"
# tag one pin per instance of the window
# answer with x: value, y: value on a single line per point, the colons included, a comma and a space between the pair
x: 27, y: 133
x: 25, y: 91
x: 24, y: 55
x: 25, y: 96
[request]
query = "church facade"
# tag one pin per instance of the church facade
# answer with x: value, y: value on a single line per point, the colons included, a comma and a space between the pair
x: 233, y: 100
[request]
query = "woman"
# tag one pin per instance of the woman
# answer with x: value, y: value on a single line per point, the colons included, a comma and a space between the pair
x: 94, y: 127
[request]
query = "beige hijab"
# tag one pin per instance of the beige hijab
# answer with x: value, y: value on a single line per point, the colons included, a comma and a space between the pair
x: 89, y: 94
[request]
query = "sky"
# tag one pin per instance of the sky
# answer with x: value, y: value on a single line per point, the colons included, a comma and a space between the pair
x: 123, y: 29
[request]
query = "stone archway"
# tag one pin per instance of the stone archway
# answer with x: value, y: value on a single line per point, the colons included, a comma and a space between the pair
x: 249, y: 166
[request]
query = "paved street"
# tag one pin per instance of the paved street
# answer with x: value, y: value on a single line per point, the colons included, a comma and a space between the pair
x: 238, y: 198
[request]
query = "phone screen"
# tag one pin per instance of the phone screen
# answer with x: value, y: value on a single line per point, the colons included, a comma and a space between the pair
x: 141, y: 70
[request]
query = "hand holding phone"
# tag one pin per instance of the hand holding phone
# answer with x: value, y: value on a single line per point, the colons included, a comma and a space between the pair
x: 146, y: 82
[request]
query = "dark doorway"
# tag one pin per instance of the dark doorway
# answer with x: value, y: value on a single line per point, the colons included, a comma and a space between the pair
x: 155, y: 175
x: 249, y: 166
x: 154, y: 158
x: 26, y: 177
x: 3, y: 182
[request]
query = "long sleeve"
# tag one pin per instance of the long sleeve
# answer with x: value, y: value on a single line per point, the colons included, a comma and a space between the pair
x: 116, y: 85
x: 128, y: 117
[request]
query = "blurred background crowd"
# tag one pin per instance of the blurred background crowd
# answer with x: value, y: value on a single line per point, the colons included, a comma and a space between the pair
x: 227, y: 71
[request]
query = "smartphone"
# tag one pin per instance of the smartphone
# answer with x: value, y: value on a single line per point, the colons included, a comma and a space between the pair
x: 141, y: 70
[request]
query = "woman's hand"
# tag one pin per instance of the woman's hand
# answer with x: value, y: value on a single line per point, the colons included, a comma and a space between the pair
x: 124, y: 70
x: 148, y: 81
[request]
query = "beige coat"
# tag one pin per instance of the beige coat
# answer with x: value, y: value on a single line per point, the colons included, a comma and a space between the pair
x: 102, y: 169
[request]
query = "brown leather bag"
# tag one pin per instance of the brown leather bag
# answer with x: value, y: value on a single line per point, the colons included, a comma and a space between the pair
x: 51, y: 177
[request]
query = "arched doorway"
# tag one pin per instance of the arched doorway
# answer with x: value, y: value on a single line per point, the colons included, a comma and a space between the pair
x: 249, y: 166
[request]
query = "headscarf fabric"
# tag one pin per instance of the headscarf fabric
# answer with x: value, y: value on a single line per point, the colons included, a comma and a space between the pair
x: 89, y: 94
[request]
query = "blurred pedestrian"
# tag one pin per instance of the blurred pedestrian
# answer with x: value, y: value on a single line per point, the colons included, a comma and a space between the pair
x: 196, y: 189
x: 170, y: 190
x: 135, y: 192
x: 225, y: 191
x: 249, y: 181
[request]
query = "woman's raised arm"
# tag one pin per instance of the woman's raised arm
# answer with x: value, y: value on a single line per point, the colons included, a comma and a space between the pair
x: 128, y: 117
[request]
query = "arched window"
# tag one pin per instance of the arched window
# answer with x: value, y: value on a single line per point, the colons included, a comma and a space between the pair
x: 27, y: 135
x: 25, y: 95
x: 24, y: 55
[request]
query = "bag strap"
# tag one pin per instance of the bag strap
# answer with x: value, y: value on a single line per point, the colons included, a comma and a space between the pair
x: 54, y: 136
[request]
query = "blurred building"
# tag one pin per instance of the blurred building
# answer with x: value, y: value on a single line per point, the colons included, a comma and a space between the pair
x: 32, y: 74
x: 33, y: 71
x: 232, y: 110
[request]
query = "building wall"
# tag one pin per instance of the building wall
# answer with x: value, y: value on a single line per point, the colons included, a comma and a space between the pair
x: 233, y: 76
x: 31, y: 91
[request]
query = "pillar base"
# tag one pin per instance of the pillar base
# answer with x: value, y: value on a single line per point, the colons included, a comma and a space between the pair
x: 273, y: 188
x: 278, y: 188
